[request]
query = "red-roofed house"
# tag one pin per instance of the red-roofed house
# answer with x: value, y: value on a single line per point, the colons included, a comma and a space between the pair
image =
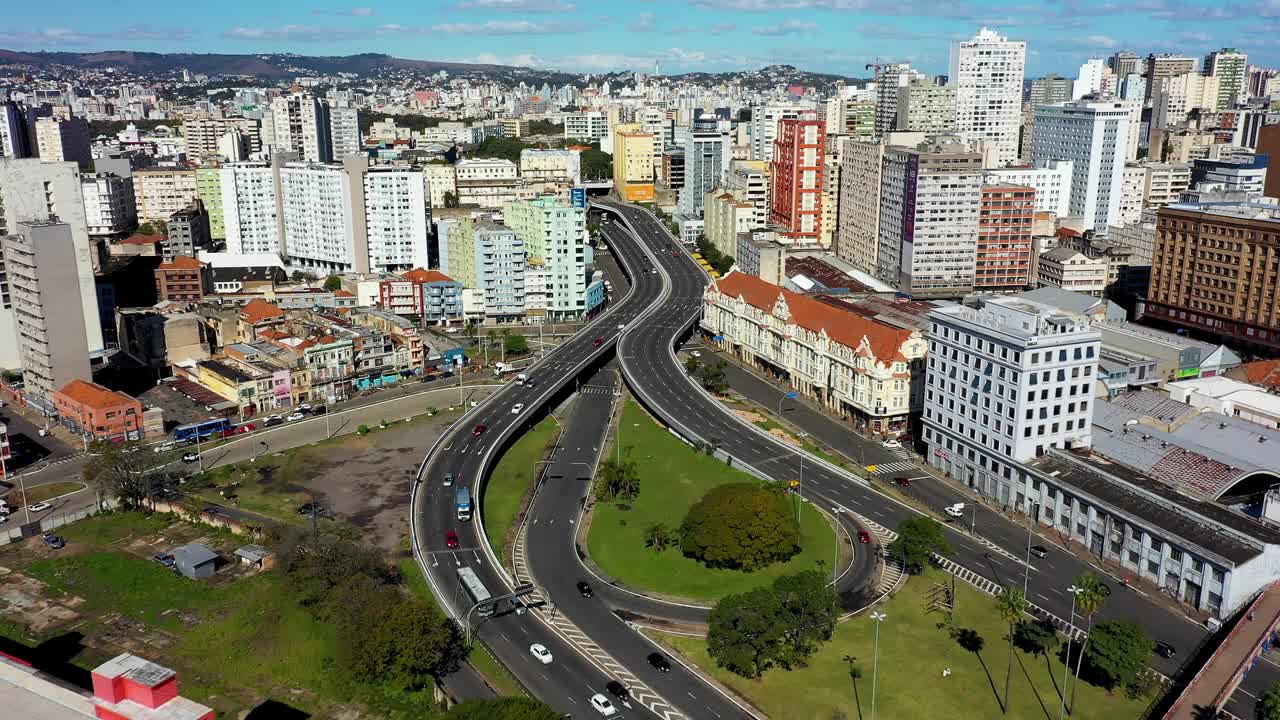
x: 256, y: 316
x: 128, y: 687
x: 867, y: 371
x: 430, y: 295
x: 182, y: 279
x: 99, y: 413
x: 1263, y: 373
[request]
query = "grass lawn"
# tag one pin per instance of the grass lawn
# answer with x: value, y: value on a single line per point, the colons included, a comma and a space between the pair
x: 673, y: 476
x: 46, y: 492
x: 109, y: 528
x: 511, y: 481
x: 914, y: 650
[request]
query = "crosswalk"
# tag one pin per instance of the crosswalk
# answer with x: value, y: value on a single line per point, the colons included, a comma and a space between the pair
x: 897, y: 466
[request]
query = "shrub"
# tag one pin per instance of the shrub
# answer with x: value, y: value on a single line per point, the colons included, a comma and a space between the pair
x: 742, y: 526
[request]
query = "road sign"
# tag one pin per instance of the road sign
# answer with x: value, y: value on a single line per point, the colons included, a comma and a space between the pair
x: 871, y: 468
x: 578, y: 197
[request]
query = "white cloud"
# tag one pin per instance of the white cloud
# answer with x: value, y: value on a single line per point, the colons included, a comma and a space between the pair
x: 362, y: 11
x: 506, y: 27
x: 1101, y: 41
x: 526, y: 6
x: 49, y: 37
x: 291, y: 33
x: 788, y: 27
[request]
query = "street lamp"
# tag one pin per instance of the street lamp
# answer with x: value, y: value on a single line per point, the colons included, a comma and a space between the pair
x: 877, y: 617
x: 1071, y: 633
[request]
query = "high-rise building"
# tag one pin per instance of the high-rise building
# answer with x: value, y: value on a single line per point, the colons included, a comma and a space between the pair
x: 890, y: 77
x: 1214, y: 270
x: 110, y: 211
x: 926, y: 107
x: 858, y: 216
x: 929, y: 203
x: 344, y: 133
x: 249, y: 207
x: 209, y: 191
x: 1050, y: 89
x: 497, y: 266
x: 1005, y: 216
x: 1089, y: 79
x: 206, y: 138
x: 1231, y: 67
x: 1008, y: 378
x: 555, y: 239
x: 987, y: 72
x: 187, y: 232
x: 1174, y: 97
x: 764, y: 126
x: 301, y: 125
x: 40, y: 267
x: 14, y: 138
x: 63, y: 139
x: 1166, y: 65
x: 1125, y: 63
x: 706, y: 153
x: 161, y: 192
x: 1052, y: 183
x: 31, y: 190
x: 1093, y: 137
x: 797, y: 172
x: 586, y: 126
x: 633, y: 163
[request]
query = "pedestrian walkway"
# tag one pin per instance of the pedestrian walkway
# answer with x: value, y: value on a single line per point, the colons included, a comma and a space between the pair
x: 897, y: 466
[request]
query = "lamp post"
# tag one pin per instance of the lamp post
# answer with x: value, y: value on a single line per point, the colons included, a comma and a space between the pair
x: 1071, y: 633
x: 877, y: 617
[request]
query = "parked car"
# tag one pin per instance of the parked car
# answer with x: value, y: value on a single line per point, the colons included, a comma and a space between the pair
x: 164, y: 559
x: 1165, y: 650
x: 541, y: 653
x: 294, y: 417
x: 515, y: 409
x: 1039, y: 551
x: 448, y: 479
x: 313, y: 508
x: 478, y: 430
x: 273, y: 421
x: 891, y: 445
x: 190, y: 457
x: 659, y: 662
x: 39, y: 507
x: 864, y: 537
x: 245, y: 428
x: 54, y: 541
x: 955, y: 511
x: 603, y: 706
x: 164, y: 447
x: 584, y: 589
x: 695, y: 353
x: 451, y: 540
x: 304, y: 407
x: 319, y: 410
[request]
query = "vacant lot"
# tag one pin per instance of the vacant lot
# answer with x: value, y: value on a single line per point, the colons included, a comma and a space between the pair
x: 673, y: 476
x: 916, y: 647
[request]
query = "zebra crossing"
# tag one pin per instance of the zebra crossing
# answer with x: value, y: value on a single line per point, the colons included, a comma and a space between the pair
x: 892, y: 572
x: 597, y: 390
x: 897, y: 466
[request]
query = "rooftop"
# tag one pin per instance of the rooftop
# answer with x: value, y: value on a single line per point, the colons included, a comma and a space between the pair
x: 181, y: 262
x: 1264, y: 373
x: 260, y: 310
x: 194, y: 554
x: 425, y: 276
x: 95, y: 396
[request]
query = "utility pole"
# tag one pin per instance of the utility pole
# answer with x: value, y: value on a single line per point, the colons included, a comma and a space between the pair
x: 878, y: 617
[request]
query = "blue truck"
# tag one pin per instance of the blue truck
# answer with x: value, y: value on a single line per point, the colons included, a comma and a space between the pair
x: 462, y: 498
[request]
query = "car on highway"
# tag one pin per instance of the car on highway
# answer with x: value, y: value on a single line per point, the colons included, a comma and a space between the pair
x: 190, y: 457
x: 955, y: 511
x: 164, y: 447
x: 448, y: 479
x: 891, y: 445
x: 675, y: 253
x: 1039, y: 551
x: 319, y: 410
x: 273, y: 421
x: 304, y: 407
x: 478, y: 430
x: 864, y: 537
x: 603, y: 706
x: 541, y: 653
x: 294, y: 417
x: 619, y: 691
x: 584, y: 589
x: 515, y: 409
x: 39, y: 507
x: 659, y: 662
x: 245, y: 428
x: 54, y: 541
x: 597, y: 342
x: 1165, y: 650
x: 902, y: 481
x: 451, y: 540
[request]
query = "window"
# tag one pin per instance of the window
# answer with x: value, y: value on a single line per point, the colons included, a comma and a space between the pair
x: 1153, y: 567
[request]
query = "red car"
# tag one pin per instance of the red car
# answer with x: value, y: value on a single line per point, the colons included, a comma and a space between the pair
x: 245, y: 428
x: 597, y: 342
x: 902, y: 481
x: 479, y: 430
x: 864, y: 537
x: 451, y: 540
x: 675, y: 253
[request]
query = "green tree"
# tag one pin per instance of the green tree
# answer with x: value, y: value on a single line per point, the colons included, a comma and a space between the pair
x: 618, y: 478
x: 1011, y: 605
x: 740, y: 525
x: 691, y: 365
x: 807, y: 611
x: 1118, y: 650
x: 919, y: 538
x: 471, y: 328
x: 131, y: 478
x: 515, y: 344
x: 660, y: 537
x: 511, y: 708
x: 332, y: 283
x: 743, y: 632
x: 713, y: 378
x: 1268, y: 707
x: 595, y: 164
x: 1037, y: 637
x: 316, y: 569
x: 389, y: 638
x: 544, y: 127
x: 450, y: 199
x: 1090, y: 596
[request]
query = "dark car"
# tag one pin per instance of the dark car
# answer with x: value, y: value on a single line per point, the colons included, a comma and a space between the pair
x: 902, y: 481
x: 273, y: 421
x: 479, y: 430
x: 598, y: 342
x: 54, y: 541
x: 1039, y: 551
x: 164, y: 559
x: 1165, y: 650
x: 659, y: 662
x: 313, y: 509
x: 319, y: 410
x: 864, y: 537
x: 584, y: 589
x: 451, y: 540
x: 618, y: 690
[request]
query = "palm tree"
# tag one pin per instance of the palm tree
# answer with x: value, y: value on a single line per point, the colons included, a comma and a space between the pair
x: 1011, y: 605
x: 1089, y: 600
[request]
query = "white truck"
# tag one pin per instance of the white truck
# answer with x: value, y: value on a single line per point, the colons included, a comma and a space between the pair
x: 522, y: 378
x: 502, y: 369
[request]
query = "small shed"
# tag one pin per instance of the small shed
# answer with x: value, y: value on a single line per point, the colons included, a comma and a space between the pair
x: 257, y: 556
x: 195, y: 561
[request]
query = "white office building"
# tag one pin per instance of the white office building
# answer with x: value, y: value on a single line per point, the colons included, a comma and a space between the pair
x: 1093, y: 137
x: 249, y: 209
x: 344, y: 133
x: 109, y: 209
x: 1052, y: 184
x: 987, y: 72
x: 586, y: 126
x: 764, y: 125
x: 1008, y: 378
x: 1089, y: 80
x: 706, y: 153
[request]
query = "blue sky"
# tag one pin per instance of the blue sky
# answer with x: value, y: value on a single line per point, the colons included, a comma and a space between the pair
x: 838, y: 36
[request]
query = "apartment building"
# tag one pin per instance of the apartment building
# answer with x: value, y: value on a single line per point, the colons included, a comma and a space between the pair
x: 748, y: 181
x: 890, y: 77
x: 209, y: 191
x: 429, y: 295
x: 1050, y: 90
x: 49, y: 322
x: 987, y: 72
x: 97, y: 413
x: 858, y: 367
x: 725, y: 217
x: 206, y: 138
x: 1166, y: 65
x: 858, y: 216
x: 1231, y: 68
x: 1214, y: 269
x: 1173, y: 98
x: 586, y: 126
x: 441, y: 179
x: 926, y: 107
x: 765, y: 121
x: 1164, y: 183
x: 1052, y: 184
x: 500, y: 261
x: 344, y: 133
x: 555, y: 238
x: 110, y: 209
x: 1005, y: 216
x: 63, y: 140
x: 301, y: 125
x: 1072, y: 270
x: 1093, y: 137
x: 797, y: 174
x: 551, y: 166
x: 161, y: 192
x: 181, y: 279
x: 487, y: 182
x: 633, y: 163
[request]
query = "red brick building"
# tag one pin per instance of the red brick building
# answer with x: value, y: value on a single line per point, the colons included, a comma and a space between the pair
x: 182, y: 279
x: 99, y: 413
x: 795, y: 190
x: 128, y: 687
x: 1006, y: 214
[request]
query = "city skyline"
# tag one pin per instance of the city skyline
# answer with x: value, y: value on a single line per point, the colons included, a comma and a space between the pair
x: 834, y: 36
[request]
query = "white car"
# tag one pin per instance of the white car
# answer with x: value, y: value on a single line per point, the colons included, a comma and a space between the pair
x: 515, y: 409
x: 891, y: 445
x: 540, y: 651
x: 304, y: 407
x: 39, y: 507
x: 695, y: 353
x: 603, y: 706
x: 164, y: 447
x: 955, y: 511
x: 296, y: 416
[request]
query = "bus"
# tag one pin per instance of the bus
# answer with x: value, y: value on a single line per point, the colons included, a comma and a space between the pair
x: 462, y: 503
x: 476, y: 591
x: 204, y: 429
